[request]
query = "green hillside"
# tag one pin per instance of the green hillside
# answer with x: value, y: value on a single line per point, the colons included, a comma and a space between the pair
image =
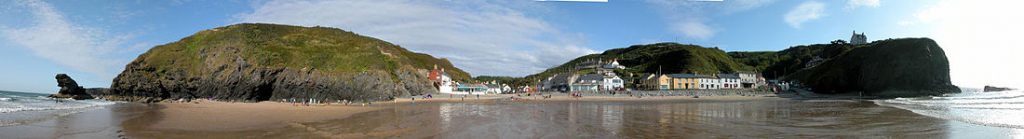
x: 282, y: 46
x: 777, y: 64
x: 667, y: 57
x: 258, y: 62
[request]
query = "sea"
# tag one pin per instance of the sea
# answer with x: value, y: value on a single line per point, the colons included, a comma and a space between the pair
x: 997, y: 109
x: 17, y: 108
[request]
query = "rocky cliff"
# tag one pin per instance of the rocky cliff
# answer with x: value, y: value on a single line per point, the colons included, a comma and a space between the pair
x: 887, y: 68
x: 258, y: 62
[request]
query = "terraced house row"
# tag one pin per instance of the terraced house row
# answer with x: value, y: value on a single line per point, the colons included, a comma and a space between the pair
x: 682, y: 81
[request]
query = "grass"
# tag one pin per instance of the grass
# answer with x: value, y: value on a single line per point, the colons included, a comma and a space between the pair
x: 281, y: 46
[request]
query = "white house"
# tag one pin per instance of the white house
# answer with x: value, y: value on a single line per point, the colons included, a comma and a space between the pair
x: 447, y: 85
x: 729, y: 81
x: 614, y: 64
x: 442, y: 81
x: 612, y: 83
x: 505, y: 88
x: 493, y: 89
x: 749, y: 79
x: 708, y: 82
x: 589, y: 82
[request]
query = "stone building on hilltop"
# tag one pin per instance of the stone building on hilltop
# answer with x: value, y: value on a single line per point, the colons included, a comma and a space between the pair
x: 858, y: 39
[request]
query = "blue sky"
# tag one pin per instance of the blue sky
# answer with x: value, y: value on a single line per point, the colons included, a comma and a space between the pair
x: 93, y: 40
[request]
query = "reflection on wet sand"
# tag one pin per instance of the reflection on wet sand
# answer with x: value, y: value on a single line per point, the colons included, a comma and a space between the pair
x: 100, y: 122
x: 757, y: 118
x: 731, y: 119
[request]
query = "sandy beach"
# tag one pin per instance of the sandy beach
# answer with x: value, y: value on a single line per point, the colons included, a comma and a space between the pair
x: 172, y: 119
x: 213, y: 119
x: 217, y: 119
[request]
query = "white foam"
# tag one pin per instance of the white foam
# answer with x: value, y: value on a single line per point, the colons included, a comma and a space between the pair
x: 38, y: 105
x: 999, y: 109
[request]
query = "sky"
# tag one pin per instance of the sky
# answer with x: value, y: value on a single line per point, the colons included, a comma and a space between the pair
x: 92, y: 40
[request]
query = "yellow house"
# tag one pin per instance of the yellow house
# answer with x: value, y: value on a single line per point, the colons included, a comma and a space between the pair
x: 657, y: 82
x: 684, y: 81
x: 664, y: 82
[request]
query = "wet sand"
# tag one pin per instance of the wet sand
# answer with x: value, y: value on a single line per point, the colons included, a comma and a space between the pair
x: 754, y: 118
x: 654, y: 117
x: 93, y: 123
x: 212, y: 119
x: 494, y: 116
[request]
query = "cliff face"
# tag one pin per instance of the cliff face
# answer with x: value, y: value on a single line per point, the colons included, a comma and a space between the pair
x: 888, y: 68
x: 256, y: 62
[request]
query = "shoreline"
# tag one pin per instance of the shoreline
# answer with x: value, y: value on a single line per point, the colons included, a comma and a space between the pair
x: 220, y: 119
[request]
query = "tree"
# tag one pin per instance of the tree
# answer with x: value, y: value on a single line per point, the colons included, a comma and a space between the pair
x: 839, y: 42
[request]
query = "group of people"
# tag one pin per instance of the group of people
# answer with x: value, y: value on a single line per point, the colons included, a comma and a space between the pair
x: 428, y: 96
x: 311, y: 101
x: 576, y: 94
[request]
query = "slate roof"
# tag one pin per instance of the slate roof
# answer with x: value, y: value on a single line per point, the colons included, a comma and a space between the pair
x: 689, y: 76
x: 730, y: 76
x: 590, y: 77
x: 472, y: 86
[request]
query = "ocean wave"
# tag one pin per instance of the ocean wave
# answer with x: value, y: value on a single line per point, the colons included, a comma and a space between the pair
x: 6, y: 99
x: 8, y: 107
x: 1008, y: 96
x: 997, y: 109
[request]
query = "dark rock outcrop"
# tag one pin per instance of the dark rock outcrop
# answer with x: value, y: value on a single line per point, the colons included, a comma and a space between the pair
x: 97, y: 92
x: 888, y: 68
x: 69, y: 88
x: 995, y: 89
x: 260, y: 62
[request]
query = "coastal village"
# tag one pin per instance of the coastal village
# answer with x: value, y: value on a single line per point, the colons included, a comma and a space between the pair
x: 600, y: 77
x: 603, y: 80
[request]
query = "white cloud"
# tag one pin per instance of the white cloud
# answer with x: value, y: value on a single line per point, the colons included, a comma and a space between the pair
x: 483, y: 38
x: 695, y: 30
x: 980, y: 39
x: 690, y: 19
x: 854, y: 4
x: 52, y: 37
x: 804, y: 12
